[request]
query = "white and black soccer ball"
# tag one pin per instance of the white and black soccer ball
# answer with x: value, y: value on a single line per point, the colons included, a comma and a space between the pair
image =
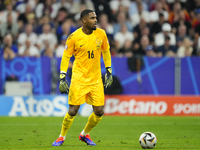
x: 148, y: 140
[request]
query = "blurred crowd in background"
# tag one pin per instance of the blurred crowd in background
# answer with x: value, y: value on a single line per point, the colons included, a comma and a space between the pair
x: 153, y: 28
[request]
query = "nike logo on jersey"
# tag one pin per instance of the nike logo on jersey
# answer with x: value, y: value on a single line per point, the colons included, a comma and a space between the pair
x: 82, y: 45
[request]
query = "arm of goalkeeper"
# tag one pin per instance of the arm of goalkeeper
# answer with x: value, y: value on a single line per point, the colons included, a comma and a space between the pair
x: 64, y: 85
x: 108, y: 77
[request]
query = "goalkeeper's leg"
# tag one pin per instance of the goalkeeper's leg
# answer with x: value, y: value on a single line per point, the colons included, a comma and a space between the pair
x: 67, y: 122
x: 93, y: 120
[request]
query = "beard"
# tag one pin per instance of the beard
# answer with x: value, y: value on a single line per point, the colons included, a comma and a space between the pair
x: 94, y: 28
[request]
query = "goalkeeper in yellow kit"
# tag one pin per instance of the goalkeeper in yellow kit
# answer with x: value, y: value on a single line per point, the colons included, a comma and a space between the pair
x: 86, y: 44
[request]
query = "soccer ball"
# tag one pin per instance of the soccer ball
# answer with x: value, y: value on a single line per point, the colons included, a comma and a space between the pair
x: 147, y: 140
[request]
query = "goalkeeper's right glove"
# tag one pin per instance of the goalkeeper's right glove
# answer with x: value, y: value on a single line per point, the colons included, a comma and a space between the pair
x: 64, y: 85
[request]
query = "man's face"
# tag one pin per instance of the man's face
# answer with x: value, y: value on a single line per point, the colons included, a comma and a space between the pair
x: 29, y: 29
x: 91, y: 21
x: 46, y: 28
x: 167, y: 42
x: 165, y: 33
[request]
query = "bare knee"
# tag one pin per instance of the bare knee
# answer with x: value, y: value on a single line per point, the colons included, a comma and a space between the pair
x: 73, y: 110
x: 98, y: 110
x: 99, y: 113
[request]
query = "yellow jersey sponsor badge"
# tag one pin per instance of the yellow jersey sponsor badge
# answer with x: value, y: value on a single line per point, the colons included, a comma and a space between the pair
x: 98, y: 42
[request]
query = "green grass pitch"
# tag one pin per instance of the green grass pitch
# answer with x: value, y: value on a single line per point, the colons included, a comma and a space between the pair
x: 112, y: 133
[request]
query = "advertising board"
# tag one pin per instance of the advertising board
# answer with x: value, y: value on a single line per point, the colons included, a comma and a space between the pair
x: 131, y: 105
x: 152, y: 105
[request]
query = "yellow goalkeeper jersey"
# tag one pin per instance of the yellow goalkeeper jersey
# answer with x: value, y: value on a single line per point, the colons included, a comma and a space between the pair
x: 87, y: 52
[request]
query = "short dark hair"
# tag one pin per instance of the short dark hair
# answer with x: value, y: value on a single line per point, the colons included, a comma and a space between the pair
x: 85, y: 13
x: 63, y: 9
x: 167, y: 37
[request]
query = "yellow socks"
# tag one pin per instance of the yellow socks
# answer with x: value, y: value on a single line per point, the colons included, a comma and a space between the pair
x: 67, y: 122
x: 93, y: 120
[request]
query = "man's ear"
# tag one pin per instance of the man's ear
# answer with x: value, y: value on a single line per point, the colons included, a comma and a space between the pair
x: 83, y: 20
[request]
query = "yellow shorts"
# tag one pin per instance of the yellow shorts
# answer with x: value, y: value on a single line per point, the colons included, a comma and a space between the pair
x: 90, y: 94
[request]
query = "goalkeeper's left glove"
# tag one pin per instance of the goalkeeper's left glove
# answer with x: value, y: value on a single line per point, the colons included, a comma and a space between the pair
x: 108, y: 77
x: 64, y: 85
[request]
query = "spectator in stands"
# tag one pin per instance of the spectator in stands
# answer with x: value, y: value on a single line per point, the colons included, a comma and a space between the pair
x: 181, y: 35
x: 182, y: 2
x: 115, y: 4
x: 164, y: 3
x: 151, y: 53
x: 121, y: 19
x: 9, y: 49
x: 46, y: 39
x: 136, y: 17
x: 59, y: 50
x: 20, y: 6
x: 154, y: 15
x: 27, y: 35
x: 66, y: 4
x: 8, y: 53
x: 48, y: 51
x: 181, y: 21
x: 174, y: 15
x: 66, y: 28
x: 157, y: 26
x: 76, y: 17
x: 77, y: 21
x: 59, y: 14
x: 137, y: 30
x: 104, y: 24
x: 160, y: 37
x: 122, y: 9
x: 44, y: 20
x: 8, y: 10
x: 78, y: 4
x: 62, y: 14
x: 23, y: 17
x: 32, y: 3
x: 103, y: 7
x: 126, y: 50
x: 166, y: 49
x: 8, y: 41
x: 149, y: 3
x: 9, y: 27
x: 145, y: 31
x: 186, y: 49
x: 144, y: 42
x: 121, y: 36
x: 28, y: 50
x: 46, y: 8
x: 133, y: 6
x: 32, y: 20
x: 113, y: 49
x: 191, y: 6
